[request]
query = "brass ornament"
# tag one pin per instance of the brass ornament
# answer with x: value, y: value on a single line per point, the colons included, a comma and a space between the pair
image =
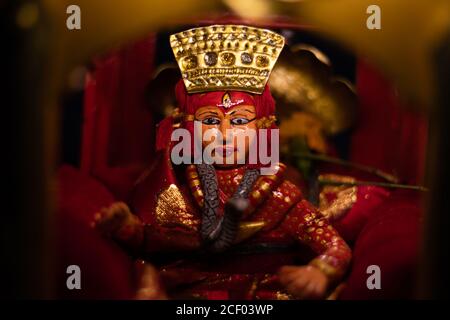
x: 226, y: 57
x: 247, y: 229
x: 303, y: 82
x: 265, y: 122
x: 190, y: 62
x: 262, y: 61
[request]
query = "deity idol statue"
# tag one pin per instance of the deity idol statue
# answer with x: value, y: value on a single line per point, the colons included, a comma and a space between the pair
x: 225, y: 229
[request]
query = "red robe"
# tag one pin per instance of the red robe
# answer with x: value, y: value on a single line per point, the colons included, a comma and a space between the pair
x: 280, y: 228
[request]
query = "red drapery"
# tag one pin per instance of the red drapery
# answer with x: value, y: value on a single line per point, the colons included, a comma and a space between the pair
x: 388, y: 135
x: 118, y: 127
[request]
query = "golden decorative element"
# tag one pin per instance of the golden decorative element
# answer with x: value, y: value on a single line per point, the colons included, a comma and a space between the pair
x: 227, y: 102
x: 189, y: 117
x: 305, y: 87
x: 222, y: 57
x: 305, y: 125
x: 198, y: 194
x: 190, y: 62
x: 283, y: 296
x: 195, y: 184
x: 227, y: 59
x: 172, y: 210
x: 265, y: 185
x: 262, y: 61
x: 256, y: 194
x: 331, y: 272
x: 346, y: 196
x: 177, y: 116
x: 265, y: 122
x: 248, y: 229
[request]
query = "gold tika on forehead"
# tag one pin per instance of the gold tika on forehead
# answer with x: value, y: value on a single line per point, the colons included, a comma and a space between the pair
x: 226, y: 57
x: 228, y: 103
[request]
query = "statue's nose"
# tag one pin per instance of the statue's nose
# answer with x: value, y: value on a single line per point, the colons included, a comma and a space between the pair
x: 227, y: 132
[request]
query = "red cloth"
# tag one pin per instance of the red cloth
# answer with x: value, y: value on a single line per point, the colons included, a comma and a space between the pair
x: 188, y: 103
x: 107, y: 272
x: 389, y: 135
x: 118, y: 126
x: 369, y: 199
x: 390, y: 240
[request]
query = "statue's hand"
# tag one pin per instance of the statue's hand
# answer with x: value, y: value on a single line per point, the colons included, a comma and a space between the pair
x: 115, y: 221
x: 304, y: 282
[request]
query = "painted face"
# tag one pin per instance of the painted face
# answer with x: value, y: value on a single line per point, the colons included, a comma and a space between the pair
x: 235, y: 126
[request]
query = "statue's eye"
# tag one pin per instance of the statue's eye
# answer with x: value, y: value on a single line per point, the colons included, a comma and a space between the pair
x: 211, y: 121
x: 239, y: 121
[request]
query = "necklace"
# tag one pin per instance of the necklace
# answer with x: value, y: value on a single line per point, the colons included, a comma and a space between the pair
x: 217, y: 231
x: 249, y: 193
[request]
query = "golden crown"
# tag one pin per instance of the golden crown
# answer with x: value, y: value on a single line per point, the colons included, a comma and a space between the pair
x: 226, y: 57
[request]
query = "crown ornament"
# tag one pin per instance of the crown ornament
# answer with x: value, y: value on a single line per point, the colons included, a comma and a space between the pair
x: 226, y: 57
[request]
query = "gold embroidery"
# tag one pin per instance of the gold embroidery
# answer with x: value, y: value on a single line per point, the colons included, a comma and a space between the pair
x: 310, y: 229
x: 256, y: 194
x: 265, y: 186
x: 172, y: 210
x: 282, y: 296
x: 345, y: 197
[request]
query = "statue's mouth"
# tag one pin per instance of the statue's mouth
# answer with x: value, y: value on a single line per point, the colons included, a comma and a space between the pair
x: 225, y: 151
